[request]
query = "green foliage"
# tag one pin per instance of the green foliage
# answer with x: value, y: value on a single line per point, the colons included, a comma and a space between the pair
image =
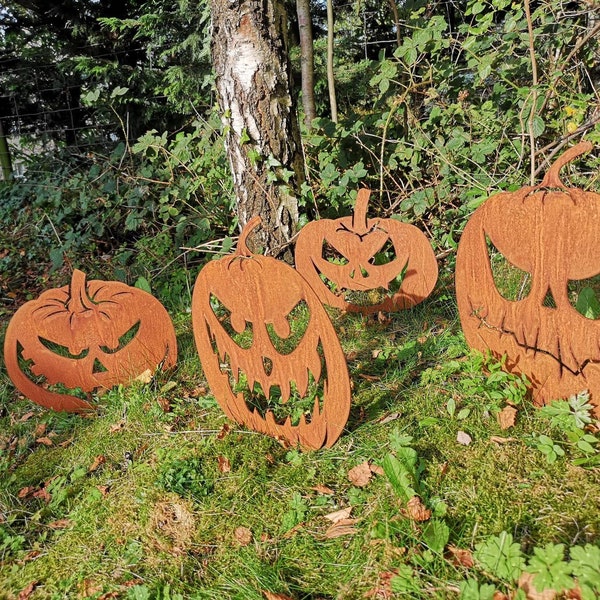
x: 500, y: 556
x: 186, y: 477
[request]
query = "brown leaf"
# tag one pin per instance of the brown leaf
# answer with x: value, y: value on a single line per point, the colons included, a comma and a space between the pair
x: 243, y: 535
x: 500, y: 596
x: 342, y: 528
x: 463, y: 438
x: 98, y: 461
x: 60, y: 524
x: 383, y: 591
x: 377, y: 470
x: 369, y: 377
x: 165, y: 404
x: 416, y: 510
x: 66, y: 443
x: 40, y: 430
x: 531, y: 592
x: 103, y: 489
x: 461, y: 557
x: 323, y: 489
x: 388, y: 418
x: 352, y: 355
x: 502, y: 440
x: 43, y: 494
x: 339, y: 515
x: 117, y: 426
x: 146, y: 376
x: 26, y: 416
x: 224, y: 431
x: 27, y: 590
x: 89, y: 588
x: 224, y: 464
x: 25, y: 492
x: 360, y: 475
x: 44, y: 440
x: 507, y: 417
x: 274, y: 596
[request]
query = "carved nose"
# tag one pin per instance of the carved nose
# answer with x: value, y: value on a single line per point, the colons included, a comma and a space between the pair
x: 267, y: 365
x: 549, y: 301
x: 98, y: 367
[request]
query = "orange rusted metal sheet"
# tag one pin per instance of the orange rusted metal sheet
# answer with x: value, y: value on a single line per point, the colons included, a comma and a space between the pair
x: 337, y: 256
x: 87, y: 335
x: 550, y: 232
x: 268, y: 349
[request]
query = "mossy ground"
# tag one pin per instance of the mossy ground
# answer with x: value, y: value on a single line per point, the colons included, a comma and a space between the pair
x: 158, y: 515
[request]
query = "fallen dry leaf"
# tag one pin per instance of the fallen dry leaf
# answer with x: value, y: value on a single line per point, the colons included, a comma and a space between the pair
x: 339, y: 515
x: 416, y: 510
x: 165, y: 404
x: 117, y: 426
x: 461, y: 557
x: 25, y: 492
x: 224, y: 464
x: 89, y: 588
x: 360, y: 475
x: 26, y: 416
x: 145, y: 377
x: 40, y: 430
x: 323, y: 489
x: 98, y: 461
x: 383, y: 591
x: 274, y: 596
x: 388, y: 418
x: 60, y: 524
x: 500, y: 596
x: 463, y: 438
x: 243, y: 535
x: 27, y: 591
x: 531, y: 593
x: 103, y: 489
x: 502, y: 440
x: 66, y: 443
x: 507, y: 417
x: 377, y: 470
x: 44, y: 440
x: 342, y: 528
x: 369, y: 377
x: 43, y: 494
x: 224, y: 431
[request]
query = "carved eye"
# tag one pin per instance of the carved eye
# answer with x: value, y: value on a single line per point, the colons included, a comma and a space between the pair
x: 238, y: 329
x: 511, y: 282
x: 584, y: 297
x: 125, y: 339
x: 63, y: 350
x: 287, y: 334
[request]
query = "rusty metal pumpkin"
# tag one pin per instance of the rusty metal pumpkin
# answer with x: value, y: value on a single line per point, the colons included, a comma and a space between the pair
x: 255, y: 296
x: 88, y: 335
x: 355, y: 242
x: 551, y: 232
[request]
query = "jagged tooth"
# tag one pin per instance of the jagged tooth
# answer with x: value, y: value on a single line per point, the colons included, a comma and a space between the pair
x: 302, y: 383
x: 251, y: 382
x: 272, y: 426
x: 285, y: 390
x: 316, y: 412
x: 315, y: 366
x: 301, y: 421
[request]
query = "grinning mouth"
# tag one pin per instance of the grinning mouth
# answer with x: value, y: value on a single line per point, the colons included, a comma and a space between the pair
x: 577, y: 370
x: 292, y: 402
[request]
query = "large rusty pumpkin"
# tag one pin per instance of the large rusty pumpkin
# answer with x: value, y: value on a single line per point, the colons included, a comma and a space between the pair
x: 88, y: 335
x: 552, y: 233
x: 355, y: 243
x: 255, y: 296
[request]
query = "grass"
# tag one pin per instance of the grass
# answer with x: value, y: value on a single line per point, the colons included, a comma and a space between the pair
x: 158, y: 515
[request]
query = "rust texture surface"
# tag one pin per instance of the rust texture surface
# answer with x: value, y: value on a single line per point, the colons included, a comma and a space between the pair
x: 551, y: 233
x: 87, y: 335
x: 337, y: 256
x: 257, y: 362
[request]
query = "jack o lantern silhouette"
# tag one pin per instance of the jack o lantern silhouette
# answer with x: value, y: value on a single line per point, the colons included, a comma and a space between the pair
x: 88, y: 336
x: 356, y: 243
x: 256, y: 365
x: 552, y: 233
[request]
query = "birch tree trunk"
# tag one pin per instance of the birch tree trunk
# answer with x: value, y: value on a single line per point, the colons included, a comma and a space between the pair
x: 250, y: 58
x: 307, y: 62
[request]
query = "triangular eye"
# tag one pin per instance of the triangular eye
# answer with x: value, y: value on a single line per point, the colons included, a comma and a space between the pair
x: 124, y: 340
x: 298, y: 319
x: 386, y: 255
x: 243, y: 339
x: 511, y: 282
x: 62, y: 350
x: 330, y: 254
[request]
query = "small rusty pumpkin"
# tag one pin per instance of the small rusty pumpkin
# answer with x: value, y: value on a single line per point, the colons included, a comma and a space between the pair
x: 256, y: 296
x: 88, y: 335
x: 550, y: 232
x: 356, y: 241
